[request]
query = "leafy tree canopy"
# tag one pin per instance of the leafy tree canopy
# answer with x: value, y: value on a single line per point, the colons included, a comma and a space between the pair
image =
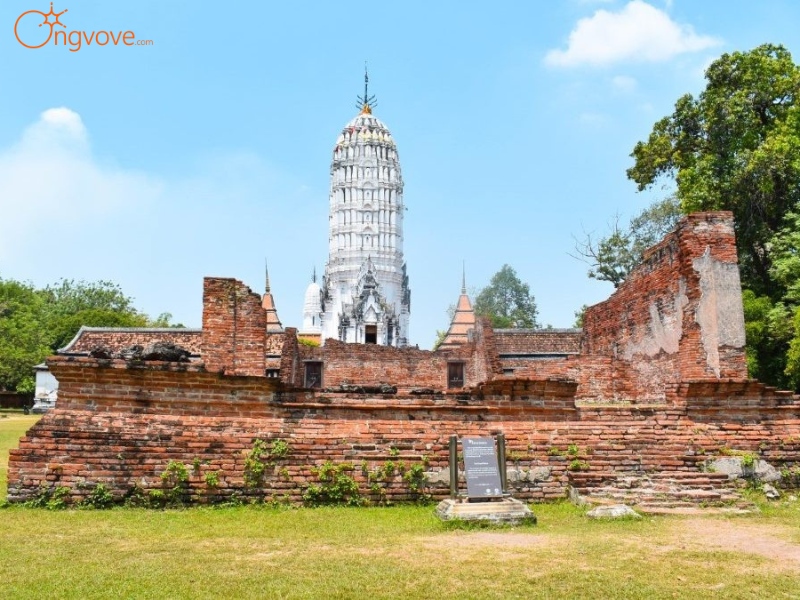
x: 507, y: 301
x: 34, y: 323
x: 23, y: 340
x: 72, y: 304
x: 735, y: 147
x: 612, y: 257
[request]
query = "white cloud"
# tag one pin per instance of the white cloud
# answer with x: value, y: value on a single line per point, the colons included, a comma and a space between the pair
x: 66, y: 212
x: 623, y: 83
x: 50, y: 176
x: 637, y: 33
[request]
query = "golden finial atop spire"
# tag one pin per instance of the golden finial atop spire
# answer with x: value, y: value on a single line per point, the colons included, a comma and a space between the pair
x: 366, y: 102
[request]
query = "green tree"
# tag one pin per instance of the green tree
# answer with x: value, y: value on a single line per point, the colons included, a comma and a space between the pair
x: 35, y: 323
x: 73, y: 304
x: 507, y: 301
x: 785, y: 250
x: 785, y: 270
x: 23, y: 340
x: 793, y: 354
x: 612, y: 258
x: 768, y: 330
x: 164, y: 320
x: 580, y: 314
x: 735, y: 147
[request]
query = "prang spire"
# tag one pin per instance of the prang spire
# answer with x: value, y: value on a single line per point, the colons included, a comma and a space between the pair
x: 268, y: 304
x: 366, y: 102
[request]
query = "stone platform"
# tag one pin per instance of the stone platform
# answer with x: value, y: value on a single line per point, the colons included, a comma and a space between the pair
x: 506, y: 511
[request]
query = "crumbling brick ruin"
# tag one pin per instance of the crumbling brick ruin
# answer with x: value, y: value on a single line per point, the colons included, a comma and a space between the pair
x: 652, y: 388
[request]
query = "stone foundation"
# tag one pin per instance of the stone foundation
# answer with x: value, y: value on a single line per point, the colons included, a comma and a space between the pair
x: 121, y: 425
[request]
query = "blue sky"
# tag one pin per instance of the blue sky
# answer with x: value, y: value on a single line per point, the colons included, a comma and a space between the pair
x: 209, y: 150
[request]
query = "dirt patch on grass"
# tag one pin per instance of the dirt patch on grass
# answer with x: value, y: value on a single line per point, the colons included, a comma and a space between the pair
x: 694, y: 534
x: 508, y: 539
x: 490, y: 539
x: 737, y: 536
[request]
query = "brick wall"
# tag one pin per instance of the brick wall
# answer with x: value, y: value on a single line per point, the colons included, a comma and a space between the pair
x: 538, y: 341
x: 679, y: 314
x: 234, y: 328
x: 120, y: 424
x: 672, y: 336
x: 367, y: 364
x: 599, y: 379
x: 115, y: 338
x: 405, y: 368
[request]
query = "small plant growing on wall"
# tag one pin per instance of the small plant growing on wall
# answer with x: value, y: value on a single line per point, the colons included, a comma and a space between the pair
x: 415, y: 478
x: 261, y: 457
x: 175, y: 479
x: 335, y: 487
x: 212, y: 479
x: 578, y: 465
x: 573, y: 450
x: 99, y: 497
x: 51, y: 498
x: 280, y: 448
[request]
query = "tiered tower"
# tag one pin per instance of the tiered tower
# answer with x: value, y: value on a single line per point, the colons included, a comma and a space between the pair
x: 462, y: 327
x: 365, y: 297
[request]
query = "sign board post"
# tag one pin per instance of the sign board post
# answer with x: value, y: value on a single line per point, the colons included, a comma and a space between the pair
x: 485, y: 472
x: 454, y: 466
x: 481, y: 468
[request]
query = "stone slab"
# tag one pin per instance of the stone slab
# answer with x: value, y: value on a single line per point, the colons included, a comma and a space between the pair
x: 507, y: 511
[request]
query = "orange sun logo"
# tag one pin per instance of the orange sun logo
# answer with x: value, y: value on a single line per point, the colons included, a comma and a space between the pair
x: 46, y: 21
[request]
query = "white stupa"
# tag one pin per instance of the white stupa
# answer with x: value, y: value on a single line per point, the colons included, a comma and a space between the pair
x: 364, y: 296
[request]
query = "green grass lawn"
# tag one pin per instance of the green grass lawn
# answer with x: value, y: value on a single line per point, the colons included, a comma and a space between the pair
x: 399, y: 552
x: 13, y: 425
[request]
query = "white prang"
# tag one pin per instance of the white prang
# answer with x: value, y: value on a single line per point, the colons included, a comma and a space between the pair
x: 365, y: 287
x: 311, y: 308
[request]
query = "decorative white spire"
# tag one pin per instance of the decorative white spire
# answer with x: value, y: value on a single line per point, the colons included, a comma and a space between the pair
x: 366, y: 236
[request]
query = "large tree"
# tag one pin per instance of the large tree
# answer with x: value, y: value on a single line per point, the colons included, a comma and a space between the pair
x: 72, y: 304
x: 784, y: 319
x: 507, y: 301
x: 36, y: 322
x: 737, y: 147
x: 24, y: 340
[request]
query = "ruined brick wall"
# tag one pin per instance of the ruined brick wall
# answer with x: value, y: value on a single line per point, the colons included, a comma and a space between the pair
x: 234, y: 328
x: 679, y: 314
x: 120, y: 425
x: 486, y: 360
x: 600, y: 379
x: 116, y: 338
x: 370, y: 364
x: 512, y: 342
x: 291, y: 365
